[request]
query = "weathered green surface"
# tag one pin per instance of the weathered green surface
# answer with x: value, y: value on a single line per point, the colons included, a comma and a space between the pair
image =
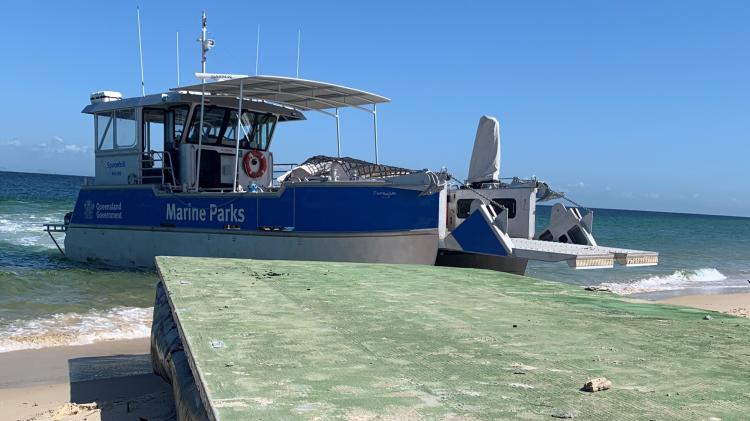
x: 332, y: 340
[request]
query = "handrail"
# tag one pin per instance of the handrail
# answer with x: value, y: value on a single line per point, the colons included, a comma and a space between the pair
x: 166, y: 164
x: 282, y: 168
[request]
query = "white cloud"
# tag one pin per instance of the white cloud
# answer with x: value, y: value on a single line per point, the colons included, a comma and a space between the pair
x: 13, y: 143
x: 55, y: 145
x: 578, y: 185
x: 75, y: 148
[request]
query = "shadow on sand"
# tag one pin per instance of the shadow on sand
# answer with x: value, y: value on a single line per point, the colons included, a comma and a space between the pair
x: 123, y: 387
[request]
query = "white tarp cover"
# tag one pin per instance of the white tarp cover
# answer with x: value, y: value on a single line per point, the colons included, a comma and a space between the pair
x: 485, y: 158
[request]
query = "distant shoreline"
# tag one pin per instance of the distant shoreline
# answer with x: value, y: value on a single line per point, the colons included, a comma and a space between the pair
x: 46, y: 173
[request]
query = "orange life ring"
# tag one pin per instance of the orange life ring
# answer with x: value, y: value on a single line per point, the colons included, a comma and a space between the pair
x: 251, y: 158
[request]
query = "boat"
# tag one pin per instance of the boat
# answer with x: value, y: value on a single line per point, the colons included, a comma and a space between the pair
x: 171, y: 179
x: 190, y: 172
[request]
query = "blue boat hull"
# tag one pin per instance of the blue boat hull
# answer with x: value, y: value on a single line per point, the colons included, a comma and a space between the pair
x: 128, y: 226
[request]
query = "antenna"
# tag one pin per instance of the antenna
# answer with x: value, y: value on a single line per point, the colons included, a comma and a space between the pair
x: 178, y: 58
x: 206, y: 44
x: 257, y: 51
x: 299, y: 40
x: 140, y: 50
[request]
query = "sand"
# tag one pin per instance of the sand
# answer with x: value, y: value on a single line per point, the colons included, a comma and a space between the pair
x: 104, y: 381
x: 736, y: 304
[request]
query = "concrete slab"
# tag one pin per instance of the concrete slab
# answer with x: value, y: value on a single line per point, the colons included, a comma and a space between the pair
x: 284, y: 339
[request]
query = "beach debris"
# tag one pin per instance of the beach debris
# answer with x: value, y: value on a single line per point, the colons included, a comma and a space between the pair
x: 597, y: 384
x: 707, y: 317
x: 218, y: 344
x: 521, y: 385
x: 74, y: 409
x: 523, y: 367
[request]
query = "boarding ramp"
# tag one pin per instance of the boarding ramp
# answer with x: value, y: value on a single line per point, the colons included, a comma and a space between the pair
x: 582, y: 256
x: 484, y: 233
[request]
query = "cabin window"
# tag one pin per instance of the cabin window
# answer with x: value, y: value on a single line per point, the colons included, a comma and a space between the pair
x: 246, y: 130
x: 104, y: 132
x: 220, y: 128
x: 263, y: 131
x: 509, y: 204
x: 125, y: 135
x: 180, y: 121
x: 577, y: 236
x: 153, y: 128
x: 463, y: 207
x: 213, y: 120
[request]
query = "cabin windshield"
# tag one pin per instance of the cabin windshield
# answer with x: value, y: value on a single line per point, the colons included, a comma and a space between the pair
x: 220, y: 128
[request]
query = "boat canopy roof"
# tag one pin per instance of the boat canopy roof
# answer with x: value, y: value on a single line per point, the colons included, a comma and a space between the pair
x: 285, y: 113
x: 298, y: 93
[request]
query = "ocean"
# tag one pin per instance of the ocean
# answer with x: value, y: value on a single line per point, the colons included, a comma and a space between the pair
x: 46, y: 300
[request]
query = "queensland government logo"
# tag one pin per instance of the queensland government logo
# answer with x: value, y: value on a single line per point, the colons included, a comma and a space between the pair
x: 92, y: 210
x: 88, y: 209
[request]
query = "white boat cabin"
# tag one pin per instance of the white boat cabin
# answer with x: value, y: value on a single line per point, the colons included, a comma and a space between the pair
x: 154, y: 140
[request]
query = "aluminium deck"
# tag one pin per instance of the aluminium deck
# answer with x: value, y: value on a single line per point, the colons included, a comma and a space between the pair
x: 582, y: 256
x: 281, y: 340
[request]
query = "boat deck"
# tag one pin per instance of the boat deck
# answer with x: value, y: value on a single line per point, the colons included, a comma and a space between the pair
x: 581, y: 256
x: 285, y: 339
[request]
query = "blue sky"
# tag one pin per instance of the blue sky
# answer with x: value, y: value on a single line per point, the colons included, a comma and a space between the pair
x: 637, y: 105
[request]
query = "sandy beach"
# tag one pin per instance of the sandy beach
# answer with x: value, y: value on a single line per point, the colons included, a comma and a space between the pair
x: 104, y: 381
x: 736, y: 304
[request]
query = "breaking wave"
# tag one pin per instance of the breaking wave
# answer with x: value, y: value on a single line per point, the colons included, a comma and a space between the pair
x: 77, y: 329
x: 681, y: 279
x: 27, y: 230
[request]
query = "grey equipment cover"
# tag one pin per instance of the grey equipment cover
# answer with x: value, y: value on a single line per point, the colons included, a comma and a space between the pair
x: 485, y: 158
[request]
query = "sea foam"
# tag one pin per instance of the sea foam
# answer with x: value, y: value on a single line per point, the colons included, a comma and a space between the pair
x: 681, y: 279
x: 77, y: 329
x: 27, y: 230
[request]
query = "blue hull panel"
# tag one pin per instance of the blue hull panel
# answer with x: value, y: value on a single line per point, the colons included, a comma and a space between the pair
x: 311, y: 208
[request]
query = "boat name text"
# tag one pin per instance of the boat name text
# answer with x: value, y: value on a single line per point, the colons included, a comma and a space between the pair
x: 116, y: 164
x: 212, y: 213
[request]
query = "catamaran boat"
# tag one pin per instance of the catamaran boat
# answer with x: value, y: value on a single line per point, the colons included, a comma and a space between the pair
x: 181, y: 173
x: 190, y: 172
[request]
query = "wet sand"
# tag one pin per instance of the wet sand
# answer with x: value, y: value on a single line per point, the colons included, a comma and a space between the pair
x: 736, y: 304
x: 104, y: 381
